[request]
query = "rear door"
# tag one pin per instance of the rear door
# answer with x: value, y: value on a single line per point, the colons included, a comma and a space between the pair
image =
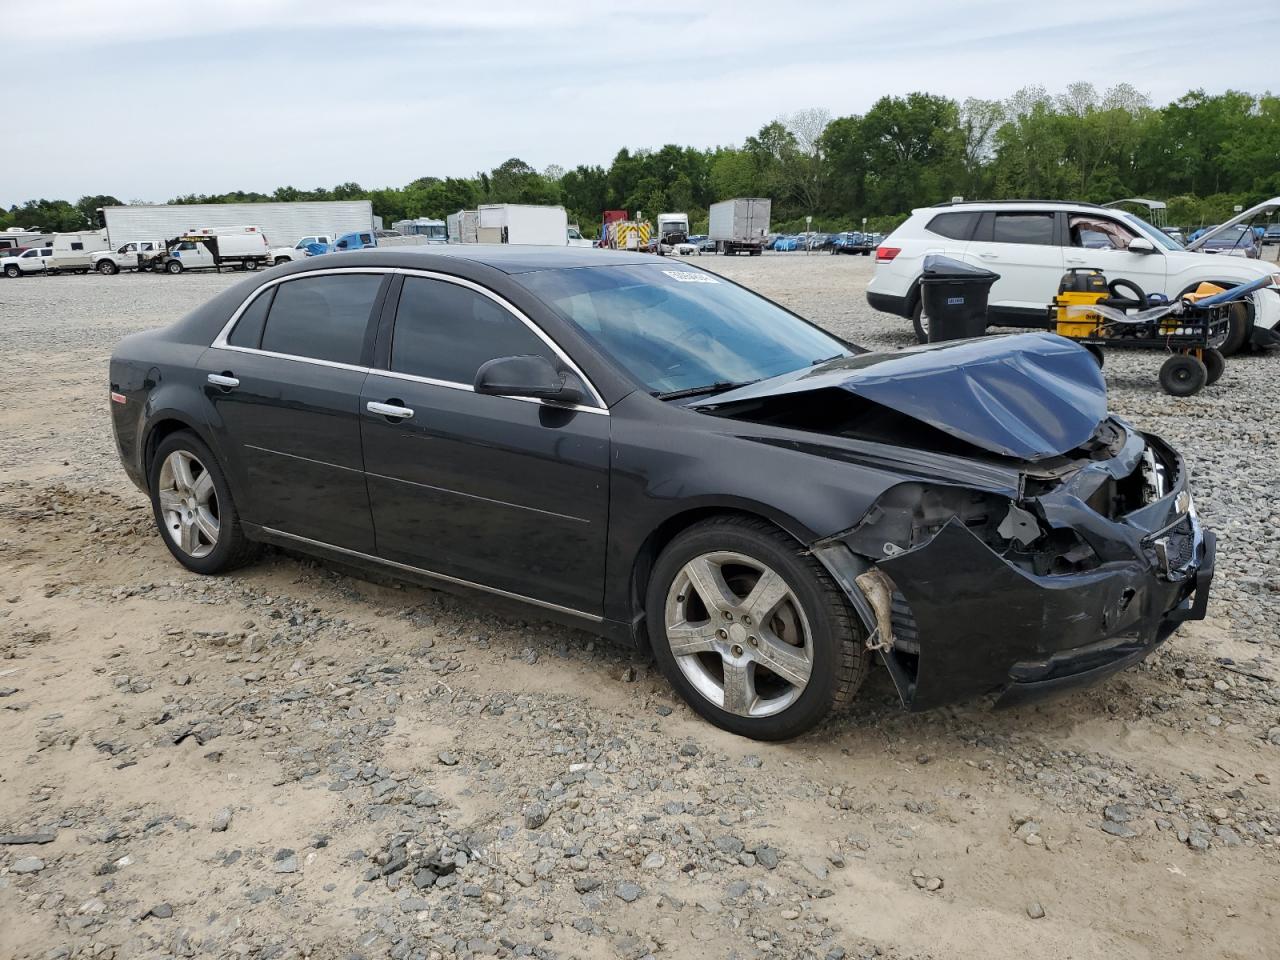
x: 505, y: 493
x: 285, y: 382
x: 1024, y: 248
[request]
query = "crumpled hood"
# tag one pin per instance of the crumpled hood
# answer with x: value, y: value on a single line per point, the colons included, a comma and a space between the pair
x: 1030, y: 396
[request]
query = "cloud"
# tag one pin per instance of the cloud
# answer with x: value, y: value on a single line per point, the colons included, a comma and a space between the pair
x: 153, y: 100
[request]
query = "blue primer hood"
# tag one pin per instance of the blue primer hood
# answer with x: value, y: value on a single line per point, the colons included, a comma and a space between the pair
x: 1031, y: 396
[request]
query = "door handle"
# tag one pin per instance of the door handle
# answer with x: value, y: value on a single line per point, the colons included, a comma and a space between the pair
x: 1075, y: 259
x: 224, y: 381
x: 389, y: 410
x: 989, y: 256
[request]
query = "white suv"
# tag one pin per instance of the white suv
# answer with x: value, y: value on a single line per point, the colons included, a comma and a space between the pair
x: 1031, y: 244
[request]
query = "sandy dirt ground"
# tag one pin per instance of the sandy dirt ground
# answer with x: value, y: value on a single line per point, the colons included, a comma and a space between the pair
x: 297, y: 761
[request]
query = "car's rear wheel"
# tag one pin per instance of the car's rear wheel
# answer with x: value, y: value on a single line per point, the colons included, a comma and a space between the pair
x: 1237, y: 330
x: 751, y: 630
x: 193, y: 507
x: 920, y: 321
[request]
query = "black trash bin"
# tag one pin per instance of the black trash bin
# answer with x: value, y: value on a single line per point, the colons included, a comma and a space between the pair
x: 954, y: 296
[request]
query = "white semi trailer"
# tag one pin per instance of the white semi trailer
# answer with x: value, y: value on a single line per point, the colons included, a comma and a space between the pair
x: 281, y: 223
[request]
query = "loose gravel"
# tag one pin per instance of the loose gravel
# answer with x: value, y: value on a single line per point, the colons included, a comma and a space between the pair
x: 297, y: 762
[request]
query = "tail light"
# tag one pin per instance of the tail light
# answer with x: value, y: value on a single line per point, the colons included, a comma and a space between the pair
x: 885, y: 254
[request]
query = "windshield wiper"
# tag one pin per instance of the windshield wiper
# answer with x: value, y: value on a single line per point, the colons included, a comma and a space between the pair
x: 838, y: 356
x: 720, y: 386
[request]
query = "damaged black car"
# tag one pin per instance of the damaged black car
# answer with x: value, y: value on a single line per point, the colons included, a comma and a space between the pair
x: 664, y: 457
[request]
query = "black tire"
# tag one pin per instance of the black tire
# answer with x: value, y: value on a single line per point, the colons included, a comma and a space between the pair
x: 1215, y: 364
x: 251, y: 264
x: 233, y: 548
x: 174, y: 267
x: 283, y: 260
x: 1095, y: 351
x: 1183, y: 375
x: 919, y: 321
x: 108, y: 268
x: 1238, y: 330
x: 840, y: 657
x: 13, y: 271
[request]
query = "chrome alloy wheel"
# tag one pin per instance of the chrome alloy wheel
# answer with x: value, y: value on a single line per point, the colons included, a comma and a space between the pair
x: 739, y: 634
x: 188, y: 504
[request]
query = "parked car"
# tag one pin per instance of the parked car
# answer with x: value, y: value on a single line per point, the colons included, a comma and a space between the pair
x: 706, y: 245
x: 1030, y: 244
x: 854, y: 242
x: 31, y: 260
x: 663, y: 457
x: 1239, y: 241
x: 1271, y: 234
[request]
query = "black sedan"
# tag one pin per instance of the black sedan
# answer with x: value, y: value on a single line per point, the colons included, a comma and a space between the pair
x: 662, y: 456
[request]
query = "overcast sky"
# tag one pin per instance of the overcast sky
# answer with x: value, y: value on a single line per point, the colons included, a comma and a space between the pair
x: 146, y: 100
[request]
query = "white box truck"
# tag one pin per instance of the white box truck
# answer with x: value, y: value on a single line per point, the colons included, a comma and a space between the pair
x: 523, y: 224
x: 740, y: 225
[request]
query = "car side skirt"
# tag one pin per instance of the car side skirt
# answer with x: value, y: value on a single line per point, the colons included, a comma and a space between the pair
x: 567, y: 615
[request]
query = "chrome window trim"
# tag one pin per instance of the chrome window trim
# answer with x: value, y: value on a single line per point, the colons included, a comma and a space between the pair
x: 468, y: 388
x: 220, y: 342
x: 422, y: 571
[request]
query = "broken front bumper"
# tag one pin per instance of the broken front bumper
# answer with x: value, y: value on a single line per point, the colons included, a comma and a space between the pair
x: 967, y: 621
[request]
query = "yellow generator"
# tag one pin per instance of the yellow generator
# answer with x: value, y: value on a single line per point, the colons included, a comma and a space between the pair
x: 1102, y: 315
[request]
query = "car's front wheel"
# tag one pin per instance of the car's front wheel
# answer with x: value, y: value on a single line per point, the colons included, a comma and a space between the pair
x: 751, y: 630
x: 193, y: 507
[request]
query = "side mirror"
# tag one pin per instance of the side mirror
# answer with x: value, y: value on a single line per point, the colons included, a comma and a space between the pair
x: 528, y: 376
x: 1141, y: 245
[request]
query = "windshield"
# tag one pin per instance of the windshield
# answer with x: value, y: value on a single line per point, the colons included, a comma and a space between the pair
x: 677, y: 330
x: 1151, y: 233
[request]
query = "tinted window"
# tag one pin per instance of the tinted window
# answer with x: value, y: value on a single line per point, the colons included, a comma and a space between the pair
x: 957, y: 226
x: 322, y: 317
x: 445, y: 332
x: 248, y: 329
x: 1024, y: 228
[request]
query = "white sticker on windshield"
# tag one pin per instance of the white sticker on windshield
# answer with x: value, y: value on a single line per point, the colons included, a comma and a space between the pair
x: 690, y: 276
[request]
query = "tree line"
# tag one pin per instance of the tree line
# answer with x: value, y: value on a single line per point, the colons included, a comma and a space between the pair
x: 1202, y: 154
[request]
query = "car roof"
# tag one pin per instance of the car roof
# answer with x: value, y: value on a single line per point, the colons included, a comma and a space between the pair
x: 507, y: 258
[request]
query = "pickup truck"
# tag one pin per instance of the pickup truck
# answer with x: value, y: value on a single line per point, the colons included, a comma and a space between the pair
x: 127, y: 256
x: 298, y: 251
x: 32, y: 260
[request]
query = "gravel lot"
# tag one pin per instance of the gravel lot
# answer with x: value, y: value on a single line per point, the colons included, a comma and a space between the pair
x: 293, y: 761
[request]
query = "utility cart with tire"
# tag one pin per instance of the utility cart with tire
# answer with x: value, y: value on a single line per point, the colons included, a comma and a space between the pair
x: 1105, y: 315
